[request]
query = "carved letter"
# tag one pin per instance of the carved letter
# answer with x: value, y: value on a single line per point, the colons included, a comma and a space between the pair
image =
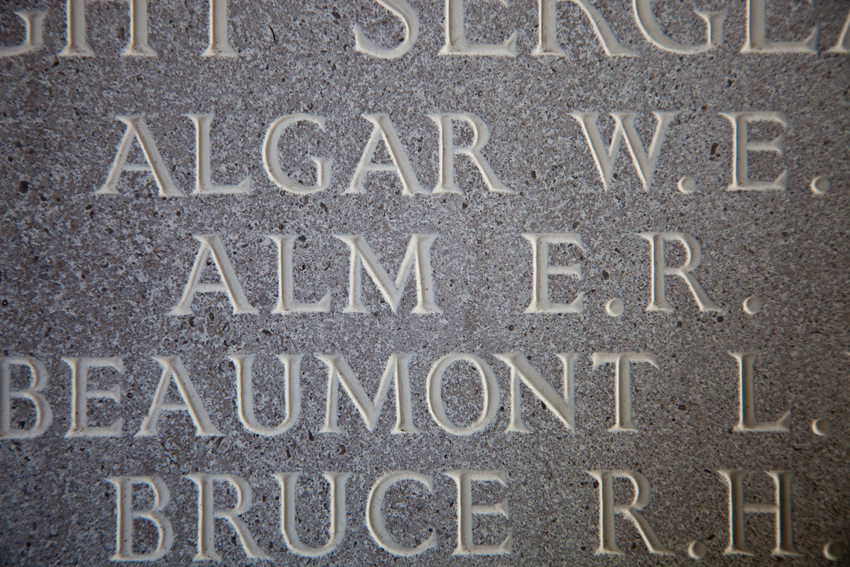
x: 466, y: 509
x: 375, y: 518
x: 741, y: 148
x: 409, y: 19
x: 843, y: 43
x: 456, y: 43
x: 126, y: 516
x: 286, y: 302
x: 397, y: 372
x: 272, y: 160
x: 738, y: 544
x: 245, y: 393
x: 174, y: 371
x: 622, y: 362
x: 747, y: 396
x: 480, y: 135
x: 211, y: 246
x: 434, y: 392
x: 624, y: 124
x: 757, y: 41
x: 547, y: 38
x: 522, y: 371
x: 80, y: 395
x: 540, y: 302
x: 138, y: 130
x: 33, y: 33
x: 418, y: 252
x: 43, y: 413
x: 204, y: 184
x: 208, y: 513
x: 383, y: 130
x: 336, y: 529
x: 655, y: 35
x: 219, y: 46
x: 693, y: 257
x: 77, y: 45
x: 138, y: 45
x: 607, y: 511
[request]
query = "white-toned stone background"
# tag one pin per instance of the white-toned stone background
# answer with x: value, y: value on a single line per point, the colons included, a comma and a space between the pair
x: 87, y: 275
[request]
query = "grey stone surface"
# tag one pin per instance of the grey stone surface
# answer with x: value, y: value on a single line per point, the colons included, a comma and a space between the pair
x: 96, y: 275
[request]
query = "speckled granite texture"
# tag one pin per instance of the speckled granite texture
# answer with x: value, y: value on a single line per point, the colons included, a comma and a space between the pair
x: 86, y: 275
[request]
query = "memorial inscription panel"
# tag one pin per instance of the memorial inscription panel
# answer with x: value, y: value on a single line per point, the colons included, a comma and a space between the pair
x: 450, y: 282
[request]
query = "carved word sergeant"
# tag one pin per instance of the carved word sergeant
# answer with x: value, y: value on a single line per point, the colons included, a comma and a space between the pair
x: 456, y: 43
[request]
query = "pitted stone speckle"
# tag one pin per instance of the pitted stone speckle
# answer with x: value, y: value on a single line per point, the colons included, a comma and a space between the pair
x: 85, y: 275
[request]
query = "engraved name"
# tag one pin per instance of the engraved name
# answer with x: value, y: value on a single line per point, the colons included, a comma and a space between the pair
x: 605, y: 154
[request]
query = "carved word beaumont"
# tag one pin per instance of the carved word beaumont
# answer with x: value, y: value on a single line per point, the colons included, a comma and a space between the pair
x: 340, y: 376
x: 561, y: 403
